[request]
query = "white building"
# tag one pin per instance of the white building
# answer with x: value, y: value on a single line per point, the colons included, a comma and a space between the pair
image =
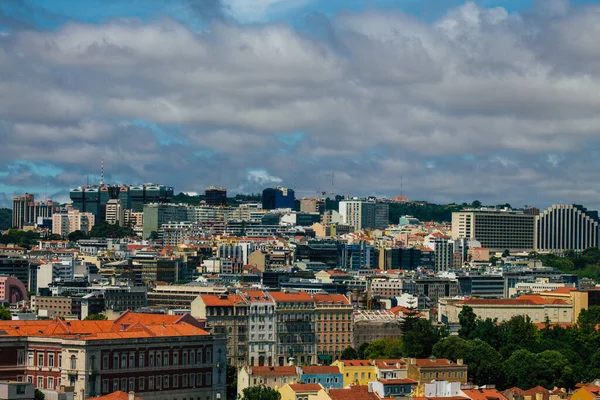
x: 261, y: 328
x: 74, y: 220
x: 115, y: 213
x: 364, y: 214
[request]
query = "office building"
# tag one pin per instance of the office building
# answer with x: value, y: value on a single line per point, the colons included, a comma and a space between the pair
x: 279, y: 197
x: 115, y: 213
x: 364, y: 213
x: 495, y: 229
x: 74, y: 220
x: 160, y: 357
x: 443, y: 254
x: 359, y: 256
x: 215, y: 196
x: 312, y: 206
x: 566, y: 227
x: 394, y: 258
x: 26, y: 211
x: 156, y: 215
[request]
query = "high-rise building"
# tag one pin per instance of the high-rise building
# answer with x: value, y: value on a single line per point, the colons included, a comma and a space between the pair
x: 115, y: 213
x: 364, y: 213
x: 566, y: 227
x: 155, y: 215
x: 359, y: 256
x: 495, y: 229
x: 312, y: 206
x: 215, y: 196
x: 74, y: 220
x: 443, y: 254
x: 279, y: 197
x: 26, y: 211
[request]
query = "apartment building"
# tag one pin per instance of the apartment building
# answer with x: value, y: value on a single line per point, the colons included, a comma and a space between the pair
x: 364, y: 213
x: 74, y: 220
x: 262, y: 328
x: 272, y: 377
x: 160, y: 357
x: 424, y: 370
x: 296, y: 337
x: 496, y: 229
x: 334, y: 326
x: 567, y: 227
x: 180, y: 296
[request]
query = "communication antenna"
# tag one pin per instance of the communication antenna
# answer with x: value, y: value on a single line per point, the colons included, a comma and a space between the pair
x: 102, y: 172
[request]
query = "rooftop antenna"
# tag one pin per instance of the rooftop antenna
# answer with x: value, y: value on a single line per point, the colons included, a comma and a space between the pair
x: 102, y: 172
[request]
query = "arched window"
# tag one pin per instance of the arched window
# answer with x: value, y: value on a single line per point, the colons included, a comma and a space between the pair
x: 73, y: 362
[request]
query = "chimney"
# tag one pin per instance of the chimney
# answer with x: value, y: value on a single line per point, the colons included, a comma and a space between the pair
x: 459, y: 361
x: 131, y: 395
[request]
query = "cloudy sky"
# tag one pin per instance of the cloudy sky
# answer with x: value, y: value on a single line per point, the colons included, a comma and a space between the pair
x: 496, y: 100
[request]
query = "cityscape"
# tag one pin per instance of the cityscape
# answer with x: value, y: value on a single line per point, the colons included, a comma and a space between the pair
x: 299, y: 200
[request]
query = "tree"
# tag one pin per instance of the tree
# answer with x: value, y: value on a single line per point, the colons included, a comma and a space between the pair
x: 96, y: 317
x: 419, y: 341
x: 38, y: 395
x: 232, y: 373
x: 349, y: 353
x: 260, y: 393
x: 5, y: 314
x: 476, y: 204
x: 520, y: 333
x: 77, y: 235
x: 384, y: 348
x: 468, y: 322
x: 154, y: 236
x: 506, y: 253
x: 361, y: 351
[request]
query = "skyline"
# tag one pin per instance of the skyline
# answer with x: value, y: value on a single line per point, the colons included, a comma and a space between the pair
x: 488, y: 100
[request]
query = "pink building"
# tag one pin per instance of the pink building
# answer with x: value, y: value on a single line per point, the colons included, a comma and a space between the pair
x: 12, y: 290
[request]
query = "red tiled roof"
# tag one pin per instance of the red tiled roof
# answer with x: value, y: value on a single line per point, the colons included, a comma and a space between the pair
x: 305, y: 387
x: 484, y: 394
x: 118, y: 395
x: 211, y: 300
x: 357, y: 363
x: 331, y: 299
x: 318, y: 369
x: 353, y: 393
x: 398, y: 381
x: 262, y: 371
x: 391, y: 364
x: 300, y: 297
x: 562, y: 290
x: 441, y: 398
x: 435, y: 362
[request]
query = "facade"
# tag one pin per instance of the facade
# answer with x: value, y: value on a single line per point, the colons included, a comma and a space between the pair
x: 425, y: 370
x: 15, y: 267
x: 156, y: 215
x: 334, y: 326
x: 391, y: 369
x: 27, y: 212
x: 16, y: 391
x: 160, y: 357
x: 54, y: 306
x: 262, y: 330
x: 303, y: 391
x: 115, y: 213
x: 496, y: 229
x: 312, y: 205
x: 279, y: 197
x: 226, y: 316
x: 327, y: 376
x: 364, y: 213
x: 12, y: 290
x: 374, y: 325
x: 443, y: 254
x: 566, y: 227
x: 273, y: 377
x: 65, y: 223
x: 392, y: 388
x: 394, y: 258
x: 356, y: 372
x: 215, y: 196
x: 296, y: 337
x: 358, y: 256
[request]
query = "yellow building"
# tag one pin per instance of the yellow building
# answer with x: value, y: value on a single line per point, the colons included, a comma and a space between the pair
x: 590, y: 392
x: 303, y: 391
x: 425, y: 370
x: 357, y: 372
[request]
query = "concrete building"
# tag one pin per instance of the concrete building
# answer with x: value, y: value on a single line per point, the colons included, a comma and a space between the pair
x: 364, y: 213
x: 312, y: 205
x: 160, y: 357
x: 262, y: 328
x: 51, y: 307
x: 279, y: 197
x: 12, y: 290
x: 115, y: 213
x: 215, y: 196
x: 374, y: 325
x: 425, y: 370
x: 443, y: 254
x: 26, y: 211
x: 566, y: 227
x: 496, y: 229
x: 272, y: 377
x: 65, y: 223
x: 356, y: 372
x: 155, y: 215
x: 16, y: 391
x: 334, y: 326
x: 327, y: 376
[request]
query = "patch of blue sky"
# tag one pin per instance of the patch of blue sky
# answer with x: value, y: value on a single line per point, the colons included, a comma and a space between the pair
x: 204, y: 154
x: 164, y: 135
x: 41, y: 169
x: 291, y: 138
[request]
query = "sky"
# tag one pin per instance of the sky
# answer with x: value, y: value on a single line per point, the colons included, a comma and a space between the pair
x: 438, y: 100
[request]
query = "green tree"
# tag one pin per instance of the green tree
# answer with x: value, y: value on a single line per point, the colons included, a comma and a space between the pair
x: 96, y: 317
x: 468, y: 322
x: 361, y: 350
x: 154, y: 236
x: 519, y: 333
x: 419, y: 341
x: 260, y: 393
x: 349, y: 353
x: 77, y: 235
x: 506, y: 253
x: 38, y: 395
x: 384, y: 348
x: 5, y: 314
x: 232, y: 376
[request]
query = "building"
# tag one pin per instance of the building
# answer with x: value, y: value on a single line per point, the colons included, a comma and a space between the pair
x: 273, y: 377
x: 374, y: 325
x: 566, y: 227
x: 279, y: 197
x: 303, y: 391
x: 15, y: 267
x: 215, y: 196
x: 327, y: 376
x: 51, y: 307
x: 12, y: 290
x: 180, y: 296
x: 395, y: 258
x: 156, y: 215
x: 364, y: 213
x: 16, y: 391
x: 391, y: 369
x: 26, y: 211
x: 312, y: 205
x: 587, y: 392
x: 295, y: 321
x: 115, y: 213
x: 334, y: 326
x: 325, y: 251
x: 356, y: 392
x: 160, y: 357
x: 226, y: 316
x: 262, y: 328
x: 356, y: 372
x: 425, y: 370
x: 65, y: 223
x: 393, y: 388
x: 443, y: 254
x: 359, y: 256
x: 496, y: 229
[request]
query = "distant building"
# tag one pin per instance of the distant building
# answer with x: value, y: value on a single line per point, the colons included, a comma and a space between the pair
x: 279, y: 197
x: 74, y: 220
x: 115, y: 213
x: 364, y: 213
x: 215, y: 196
x: 312, y: 205
x: 26, y: 211
x: 566, y: 227
x: 443, y: 254
x: 359, y: 256
x: 12, y: 290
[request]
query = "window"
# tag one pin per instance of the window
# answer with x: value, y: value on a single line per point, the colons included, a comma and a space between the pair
x: 30, y: 359
x: 124, y: 384
x: 184, y: 361
x: 158, y: 359
x: 158, y: 382
x: 208, y: 378
x: 116, y: 361
x: 20, y: 358
x: 200, y: 379
x: 105, y: 386
x: 50, y: 383
x: 51, y: 360
x: 362, y: 375
x: 30, y: 379
x: 73, y: 362
x: 199, y: 356
x: 131, y: 361
x: 193, y: 380
x: 175, y: 358
x: 40, y: 359
x: 192, y: 358
x: 166, y: 382
x: 184, y: 380
x: 151, y: 383
x: 115, y: 384
x: 151, y: 360
x: 131, y: 383
x: 141, y: 382
x: 105, y: 361
x: 175, y: 381
x: 166, y: 358
x: 141, y: 360
x: 208, y: 356
x: 124, y: 362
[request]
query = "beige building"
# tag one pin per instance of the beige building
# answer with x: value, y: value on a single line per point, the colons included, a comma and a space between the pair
x: 303, y: 391
x: 115, y: 213
x: 312, y: 205
x: 52, y: 306
x: 74, y: 220
x: 334, y: 326
x: 495, y: 229
x: 424, y: 370
x: 273, y: 377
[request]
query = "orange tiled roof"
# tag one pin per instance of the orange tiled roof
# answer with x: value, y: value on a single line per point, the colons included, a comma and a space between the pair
x: 300, y: 297
x: 118, y: 395
x: 561, y: 290
x: 212, y: 300
x: 331, y: 299
x: 357, y: 363
x: 484, y: 394
x: 353, y: 393
x: 441, y: 398
x: 391, y: 364
x: 305, y: 387
x: 318, y: 369
x: 262, y: 371
x: 435, y: 362
x: 523, y: 300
